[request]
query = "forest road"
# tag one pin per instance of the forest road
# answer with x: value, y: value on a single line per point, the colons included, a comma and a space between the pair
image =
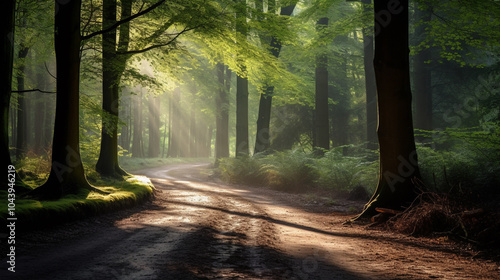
x: 198, y: 228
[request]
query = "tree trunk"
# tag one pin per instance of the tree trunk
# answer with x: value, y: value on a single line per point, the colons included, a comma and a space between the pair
x: 422, y: 76
x: 242, y: 144
x: 154, y: 127
x: 370, y: 87
x: 321, y: 124
x: 398, y: 158
x: 263, y: 136
x: 67, y: 174
x: 112, y: 69
x: 222, y: 115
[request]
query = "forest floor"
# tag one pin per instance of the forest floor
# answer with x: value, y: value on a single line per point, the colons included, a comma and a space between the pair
x: 200, y: 228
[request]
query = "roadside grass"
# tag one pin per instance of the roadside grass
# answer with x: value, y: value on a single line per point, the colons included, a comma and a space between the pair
x: 121, y: 194
x: 32, y: 213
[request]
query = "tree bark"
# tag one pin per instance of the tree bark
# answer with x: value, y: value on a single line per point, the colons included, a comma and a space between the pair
x: 112, y: 69
x: 67, y: 174
x: 321, y: 123
x: 398, y: 158
x: 370, y: 87
x: 263, y: 136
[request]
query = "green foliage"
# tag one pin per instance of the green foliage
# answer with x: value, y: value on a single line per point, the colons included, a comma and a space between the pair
x: 295, y: 170
x: 345, y: 172
x: 289, y: 170
x: 471, y: 160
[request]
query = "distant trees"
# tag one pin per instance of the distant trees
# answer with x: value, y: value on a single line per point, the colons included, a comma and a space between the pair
x: 321, y: 120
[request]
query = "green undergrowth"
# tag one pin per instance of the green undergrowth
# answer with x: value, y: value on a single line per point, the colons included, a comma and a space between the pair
x: 463, y: 162
x: 296, y: 170
x: 121, y: 194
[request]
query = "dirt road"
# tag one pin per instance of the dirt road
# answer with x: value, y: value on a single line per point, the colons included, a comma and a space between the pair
x: 198, y: 228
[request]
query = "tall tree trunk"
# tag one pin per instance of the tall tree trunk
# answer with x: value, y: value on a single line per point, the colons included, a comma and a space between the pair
x: 67, y: 174
x: 112, y: 69
x: 154, y: 126
x: 263, y: 136
x: 242, y: 144
x: 398, y: 158
x: 22, y: 111
x: 370, y: 87
x: 321, y: 123
x: 222, y: 115
x: 422, y: 76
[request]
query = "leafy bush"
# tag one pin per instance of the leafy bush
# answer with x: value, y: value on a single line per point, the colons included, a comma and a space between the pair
x: 345, y: 172
x: 295, y: 170
x: 289, y: 170
x: 472, y: 161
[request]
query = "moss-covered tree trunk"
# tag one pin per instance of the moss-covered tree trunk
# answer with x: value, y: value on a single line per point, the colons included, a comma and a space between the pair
x: 67, y: 173
x: 398, y: 158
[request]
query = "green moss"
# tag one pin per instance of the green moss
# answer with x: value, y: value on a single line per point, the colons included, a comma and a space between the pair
x: 34, y: 214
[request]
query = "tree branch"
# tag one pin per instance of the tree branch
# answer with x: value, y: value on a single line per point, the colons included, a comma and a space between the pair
x: 118, y: 23
x: 159, y: 45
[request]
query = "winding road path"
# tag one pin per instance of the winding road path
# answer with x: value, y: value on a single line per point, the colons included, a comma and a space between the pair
x: 197, y: 228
